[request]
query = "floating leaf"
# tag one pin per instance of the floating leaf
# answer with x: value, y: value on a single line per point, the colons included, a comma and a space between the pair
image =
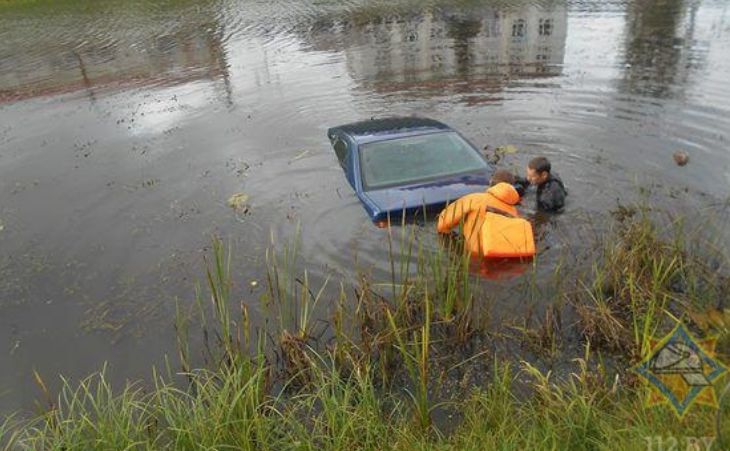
x: 506, y: 150
x: 238, y: 202
x: 500, y: 152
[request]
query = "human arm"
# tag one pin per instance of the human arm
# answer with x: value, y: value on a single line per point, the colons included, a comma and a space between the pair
x: 521, y: 184
x: 454, y: 213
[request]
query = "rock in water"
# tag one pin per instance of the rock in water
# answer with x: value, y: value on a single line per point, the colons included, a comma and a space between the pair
x: 681, y: 158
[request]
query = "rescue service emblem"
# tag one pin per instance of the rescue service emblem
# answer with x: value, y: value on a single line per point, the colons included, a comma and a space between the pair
x: 681, y: 370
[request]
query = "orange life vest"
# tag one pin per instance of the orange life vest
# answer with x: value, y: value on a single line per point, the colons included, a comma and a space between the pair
x: 491, y: 225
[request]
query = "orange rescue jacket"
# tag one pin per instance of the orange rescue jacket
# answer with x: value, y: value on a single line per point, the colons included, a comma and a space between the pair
x: 491, y: 225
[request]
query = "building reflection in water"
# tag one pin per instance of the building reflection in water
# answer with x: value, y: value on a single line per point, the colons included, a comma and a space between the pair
x: 468, y: 50
x: 661, y: 53
x: 452, y: 50
x: 192, y: 52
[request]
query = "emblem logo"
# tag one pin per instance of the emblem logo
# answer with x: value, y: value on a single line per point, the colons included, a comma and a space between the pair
x: 681, y: 370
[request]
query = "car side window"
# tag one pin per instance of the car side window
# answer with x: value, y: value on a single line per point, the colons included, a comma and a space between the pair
x: 341, y: 150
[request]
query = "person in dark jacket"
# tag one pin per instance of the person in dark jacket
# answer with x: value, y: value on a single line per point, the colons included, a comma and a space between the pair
x: 551, y: 191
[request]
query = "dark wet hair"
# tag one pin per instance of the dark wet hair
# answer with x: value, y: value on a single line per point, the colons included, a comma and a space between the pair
x: 502, y: 175
x: 539, y: 164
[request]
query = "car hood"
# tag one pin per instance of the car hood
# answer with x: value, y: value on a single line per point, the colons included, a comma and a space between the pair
x: 394, y: 200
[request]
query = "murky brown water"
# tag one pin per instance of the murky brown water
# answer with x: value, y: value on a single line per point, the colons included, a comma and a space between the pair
x: 125, y: 127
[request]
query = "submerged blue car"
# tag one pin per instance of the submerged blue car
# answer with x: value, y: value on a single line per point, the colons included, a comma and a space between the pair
x: 407, y: 165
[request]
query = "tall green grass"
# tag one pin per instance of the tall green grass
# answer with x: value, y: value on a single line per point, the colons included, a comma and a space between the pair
x: 649, y: 275
x: 229, y: 410
x: 376, y: 378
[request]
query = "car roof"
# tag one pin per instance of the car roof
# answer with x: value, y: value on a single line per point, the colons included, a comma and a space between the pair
x: 388, y: 128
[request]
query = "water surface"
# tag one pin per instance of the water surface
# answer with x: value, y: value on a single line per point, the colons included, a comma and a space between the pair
x: 125, y: 127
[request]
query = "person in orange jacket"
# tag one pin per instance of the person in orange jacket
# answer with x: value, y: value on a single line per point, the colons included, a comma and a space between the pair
x: 485, y: 220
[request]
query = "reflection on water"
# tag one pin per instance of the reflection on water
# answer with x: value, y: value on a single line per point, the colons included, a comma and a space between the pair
x: 437, y: 49
x: 661, y: 52
x: 447, y: 49
x: 125, y: 126
x: 112, y: 55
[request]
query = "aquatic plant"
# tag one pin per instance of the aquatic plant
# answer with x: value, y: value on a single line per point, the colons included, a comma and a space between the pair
x: 376, y: 378
x: 415, y: 355
x: 646, y: 277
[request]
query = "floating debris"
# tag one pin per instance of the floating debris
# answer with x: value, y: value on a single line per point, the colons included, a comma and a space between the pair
x: 2, y: 225
x: 506, y: 150
x: 239, y: 202
x: 681, y: 157
x: 500, y: 152
x: 238, y: 166
x: 254, y: 284
x: 301, y: 155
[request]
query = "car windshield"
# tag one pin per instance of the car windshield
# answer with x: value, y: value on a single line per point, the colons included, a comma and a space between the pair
x: 413, y: 159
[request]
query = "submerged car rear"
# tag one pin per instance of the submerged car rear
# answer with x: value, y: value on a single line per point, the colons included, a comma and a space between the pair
x: 416, y: 159
x: 393, y: 202
x: 402, y: 164
x: 406, y: 174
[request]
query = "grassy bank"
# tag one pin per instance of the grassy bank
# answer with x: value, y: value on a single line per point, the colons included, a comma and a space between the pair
x: 415, y: 361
